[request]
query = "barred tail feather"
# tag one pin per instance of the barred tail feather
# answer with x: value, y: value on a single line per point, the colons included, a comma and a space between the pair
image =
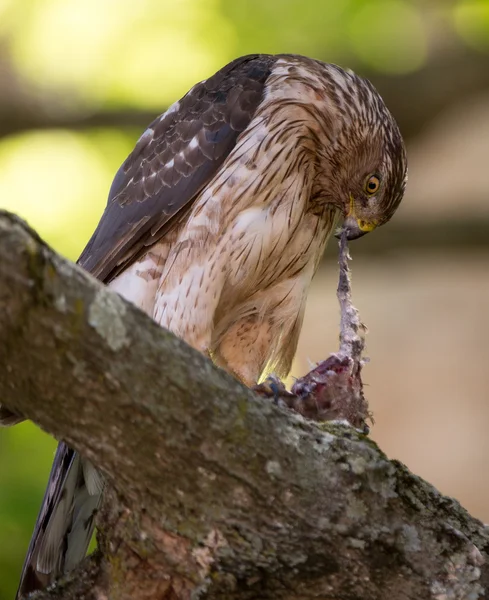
x: 65, y: 523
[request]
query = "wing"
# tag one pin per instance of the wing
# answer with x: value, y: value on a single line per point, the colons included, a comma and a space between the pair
x: 173, y: 160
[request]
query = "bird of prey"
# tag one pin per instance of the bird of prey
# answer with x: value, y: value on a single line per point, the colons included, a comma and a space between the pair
x: 215, y: 225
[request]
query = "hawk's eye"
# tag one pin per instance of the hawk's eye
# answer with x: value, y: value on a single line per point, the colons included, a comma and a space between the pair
x: 372, y: 184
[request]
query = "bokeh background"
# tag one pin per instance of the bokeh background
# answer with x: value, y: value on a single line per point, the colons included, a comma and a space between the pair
x: 81, y: 79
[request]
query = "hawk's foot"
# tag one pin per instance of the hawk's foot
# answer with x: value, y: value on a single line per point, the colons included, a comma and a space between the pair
x: 274, y: 388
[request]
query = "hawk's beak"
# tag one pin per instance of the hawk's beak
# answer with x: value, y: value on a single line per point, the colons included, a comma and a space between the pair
x: 354, y: 226
x: 353, y: 230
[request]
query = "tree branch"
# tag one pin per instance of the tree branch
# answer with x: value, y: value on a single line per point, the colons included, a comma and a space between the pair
x: 414, y: 98
x: 214, y: 492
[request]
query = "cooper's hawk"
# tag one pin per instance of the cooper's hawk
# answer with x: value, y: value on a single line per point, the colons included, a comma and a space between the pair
x: 215, y: 225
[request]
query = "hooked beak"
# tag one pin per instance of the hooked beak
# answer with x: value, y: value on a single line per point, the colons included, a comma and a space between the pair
x: 353, y: 231
x: 354, y: 226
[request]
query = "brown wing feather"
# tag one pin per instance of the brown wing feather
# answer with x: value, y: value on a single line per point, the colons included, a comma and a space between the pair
x: 173, y: 160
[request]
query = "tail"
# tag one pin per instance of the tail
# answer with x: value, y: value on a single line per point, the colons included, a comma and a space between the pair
x: 8, y: 418
x: 65, y: 523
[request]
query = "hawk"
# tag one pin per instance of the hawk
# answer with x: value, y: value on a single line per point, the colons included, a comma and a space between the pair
x: 215, y: 225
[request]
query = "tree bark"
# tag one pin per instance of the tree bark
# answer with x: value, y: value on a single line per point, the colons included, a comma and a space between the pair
x: 213, y: 492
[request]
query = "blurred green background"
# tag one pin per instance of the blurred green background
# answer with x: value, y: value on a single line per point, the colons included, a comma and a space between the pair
x: 80, y: 80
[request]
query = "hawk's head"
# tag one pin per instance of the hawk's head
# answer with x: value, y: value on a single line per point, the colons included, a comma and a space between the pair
x: 366, y: 165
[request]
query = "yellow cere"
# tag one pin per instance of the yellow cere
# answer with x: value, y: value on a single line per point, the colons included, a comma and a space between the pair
x: 362, y: 224
x: 367, y: 225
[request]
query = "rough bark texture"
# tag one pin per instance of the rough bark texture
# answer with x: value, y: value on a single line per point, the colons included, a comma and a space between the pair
x: 214, y: 492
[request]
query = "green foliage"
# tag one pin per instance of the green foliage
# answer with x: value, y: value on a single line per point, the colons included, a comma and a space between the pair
x: 471, y: 19
x: 389, y: 35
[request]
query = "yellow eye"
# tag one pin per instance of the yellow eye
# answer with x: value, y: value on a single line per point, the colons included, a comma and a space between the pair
x: 372, y: 185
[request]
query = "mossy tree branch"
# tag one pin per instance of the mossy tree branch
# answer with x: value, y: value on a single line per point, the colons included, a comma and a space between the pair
x: 213, y: 492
